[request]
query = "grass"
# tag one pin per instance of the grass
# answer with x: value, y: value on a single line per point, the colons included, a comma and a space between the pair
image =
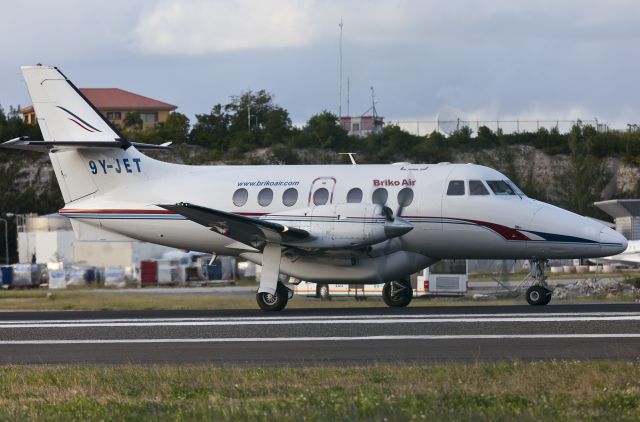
x: 519, y: 276
x: 90, y: 299
x: 474, y: 392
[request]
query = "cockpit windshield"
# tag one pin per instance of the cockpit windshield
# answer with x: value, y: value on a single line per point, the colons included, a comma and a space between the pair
x: 516, y: 189
x: 501, y: 187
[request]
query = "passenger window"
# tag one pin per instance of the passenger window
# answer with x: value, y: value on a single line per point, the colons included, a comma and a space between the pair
x: 380, y: 196
x: 290, y: 197
x: 240, y: 197
x: 476, y: 187
x: 354, y: 196
x: 265, y: 196
x: 456, y: 188
x: 405, y: 197
x: 321, y: 196
x: 500, y: 187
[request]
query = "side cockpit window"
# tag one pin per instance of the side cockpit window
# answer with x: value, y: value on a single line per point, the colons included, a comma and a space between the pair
x: 476, y: 187
x: 500, y: 187
x: 456, y: 188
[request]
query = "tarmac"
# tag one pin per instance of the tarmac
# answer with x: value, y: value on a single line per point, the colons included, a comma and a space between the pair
x: 303, y: 337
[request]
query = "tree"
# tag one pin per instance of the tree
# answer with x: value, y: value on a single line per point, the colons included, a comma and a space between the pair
x: 486, y: 136
x: 211, y: 129
x: 249, y: 120
x: 174, y: 129
x: 132, y: 120
x: 587, y: 175
x: 257, y: 112
x: 324, y: 130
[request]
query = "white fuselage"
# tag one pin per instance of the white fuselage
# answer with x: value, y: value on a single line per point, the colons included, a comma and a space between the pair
x: 486, y: 226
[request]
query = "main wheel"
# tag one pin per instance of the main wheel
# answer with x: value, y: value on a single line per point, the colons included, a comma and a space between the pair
x: 397, y: 293
x: 323, y: 292
x: 538, y: 295
x: 273, y: 302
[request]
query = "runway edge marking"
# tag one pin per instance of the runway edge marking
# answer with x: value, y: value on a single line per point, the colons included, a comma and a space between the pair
x: 299, y: 339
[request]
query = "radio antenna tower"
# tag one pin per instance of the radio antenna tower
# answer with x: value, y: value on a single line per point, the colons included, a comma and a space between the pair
x: 340, y: 89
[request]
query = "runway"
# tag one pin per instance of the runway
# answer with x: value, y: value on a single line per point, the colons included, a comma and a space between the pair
x: 323, y: 336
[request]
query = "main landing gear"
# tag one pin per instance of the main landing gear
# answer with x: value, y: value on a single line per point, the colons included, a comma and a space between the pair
x: 276, y: 301
x: 538, y: 294
x: 397, y: 294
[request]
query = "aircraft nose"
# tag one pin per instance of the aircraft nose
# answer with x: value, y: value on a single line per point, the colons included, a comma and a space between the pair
x: 612, y: 242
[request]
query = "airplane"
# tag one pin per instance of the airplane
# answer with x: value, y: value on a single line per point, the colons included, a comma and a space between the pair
x: 630, y: 256
x: 356, y: 224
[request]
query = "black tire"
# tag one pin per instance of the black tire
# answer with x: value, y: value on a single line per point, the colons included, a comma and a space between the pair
x: 275, y: 302
x: 397, y: 294
x: 538, y: 296
x: 323, y: 292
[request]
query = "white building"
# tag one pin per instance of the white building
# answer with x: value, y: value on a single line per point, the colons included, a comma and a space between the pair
x: 45, y: 239
x: 50, y: 238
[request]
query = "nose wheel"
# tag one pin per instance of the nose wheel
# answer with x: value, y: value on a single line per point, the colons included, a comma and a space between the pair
x: 538, y: 294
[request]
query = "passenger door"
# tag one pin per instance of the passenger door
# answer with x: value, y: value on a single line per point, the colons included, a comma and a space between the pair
x: 317, y: 194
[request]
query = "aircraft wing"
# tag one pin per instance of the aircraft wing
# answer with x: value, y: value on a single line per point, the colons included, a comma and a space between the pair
x: 247, y: 230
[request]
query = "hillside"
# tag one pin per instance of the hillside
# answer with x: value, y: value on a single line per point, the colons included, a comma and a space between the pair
x: 570, y: 170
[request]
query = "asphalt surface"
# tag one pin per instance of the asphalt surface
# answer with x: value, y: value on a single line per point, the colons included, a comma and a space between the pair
x: 323, y: 336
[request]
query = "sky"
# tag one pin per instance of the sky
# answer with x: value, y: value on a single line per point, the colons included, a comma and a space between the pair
x: 486, y: 59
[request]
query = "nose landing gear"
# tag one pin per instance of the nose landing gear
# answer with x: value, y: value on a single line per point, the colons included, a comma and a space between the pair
x: 539, y: 293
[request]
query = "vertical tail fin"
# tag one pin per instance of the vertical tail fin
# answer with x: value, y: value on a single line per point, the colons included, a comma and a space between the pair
x: 88, y: 155
x: 63, y: 113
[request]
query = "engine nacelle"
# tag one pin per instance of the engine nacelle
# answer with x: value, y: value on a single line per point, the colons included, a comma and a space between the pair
x: 336, y: 225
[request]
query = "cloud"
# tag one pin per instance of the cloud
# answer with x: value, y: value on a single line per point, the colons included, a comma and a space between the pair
x: 199, y: 27
x: 195, y: 27
x: 202, y: 27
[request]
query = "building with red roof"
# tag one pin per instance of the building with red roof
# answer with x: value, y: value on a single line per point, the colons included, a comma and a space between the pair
x: 116, y: 103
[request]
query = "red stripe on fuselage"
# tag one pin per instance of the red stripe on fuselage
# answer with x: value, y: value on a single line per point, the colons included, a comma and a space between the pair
x: 506, y: 232
x: 113, y: 211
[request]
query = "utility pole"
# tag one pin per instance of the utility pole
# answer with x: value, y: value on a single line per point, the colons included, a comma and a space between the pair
x: 348, y: 95
x: 6, y: 241
x: 6, y: 236
x: 340, y: 88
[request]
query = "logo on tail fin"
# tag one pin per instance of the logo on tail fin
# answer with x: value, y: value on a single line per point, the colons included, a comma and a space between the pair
x: 84, y: 125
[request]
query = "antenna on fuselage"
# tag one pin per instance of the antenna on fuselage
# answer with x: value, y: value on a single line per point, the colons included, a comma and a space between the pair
x: 351, y: 156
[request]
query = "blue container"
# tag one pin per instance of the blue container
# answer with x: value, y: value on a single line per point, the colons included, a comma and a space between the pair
x: 90, y: 275
x: 214, y: 272
x: 7, y: 276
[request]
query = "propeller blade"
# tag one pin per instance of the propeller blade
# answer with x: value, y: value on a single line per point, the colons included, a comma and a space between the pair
x: 387, y: 213
x: 405, y: 197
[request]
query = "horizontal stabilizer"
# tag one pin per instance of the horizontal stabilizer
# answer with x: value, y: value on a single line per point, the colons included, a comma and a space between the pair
x: 25, y: 143
x: 248, y: 230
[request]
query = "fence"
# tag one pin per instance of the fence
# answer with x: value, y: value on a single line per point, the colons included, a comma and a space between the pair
x: 424, y: 127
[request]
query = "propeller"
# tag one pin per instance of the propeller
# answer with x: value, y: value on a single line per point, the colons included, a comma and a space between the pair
x: 395, y: 225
